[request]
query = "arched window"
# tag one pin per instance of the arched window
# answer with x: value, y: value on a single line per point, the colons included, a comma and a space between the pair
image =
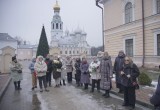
x: 60, y: 26
x: 128, y: 12
x: 56, y: 25
x: 53, y: 25
x: 158, y: 6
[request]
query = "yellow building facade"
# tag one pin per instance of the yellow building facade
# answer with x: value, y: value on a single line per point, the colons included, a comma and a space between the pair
x: 123, y: 30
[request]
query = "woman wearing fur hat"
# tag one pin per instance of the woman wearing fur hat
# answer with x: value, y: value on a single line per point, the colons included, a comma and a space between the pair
x: 106, y: 73
x: 95, y: 75
x: 57, y: 65
x: 16, y: 73
x: 41, y: 69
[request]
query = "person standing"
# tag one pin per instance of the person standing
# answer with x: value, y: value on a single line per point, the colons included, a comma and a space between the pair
x: 106, y: 74
x: 129, y: 74
x: 95, y: 75
x: 63, y: 73
x: 85, y: 76
x: 41, y: 69
x: 33, y: 73
x: 49, y: 70
x: 16, y: 73
x: 118, y: 65
x: 155, y: 99
x: 78, y: 71
x: 69, y: 69
x: 57, y: 65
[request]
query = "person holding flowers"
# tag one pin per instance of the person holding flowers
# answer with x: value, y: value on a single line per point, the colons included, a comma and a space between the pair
x: 95, y: 75
x: 57, y: 65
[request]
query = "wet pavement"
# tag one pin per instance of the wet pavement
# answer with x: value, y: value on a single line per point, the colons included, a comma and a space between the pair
x: 67, y: 97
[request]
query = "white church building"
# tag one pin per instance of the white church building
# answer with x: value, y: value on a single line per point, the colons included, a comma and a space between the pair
x: 67, y: 43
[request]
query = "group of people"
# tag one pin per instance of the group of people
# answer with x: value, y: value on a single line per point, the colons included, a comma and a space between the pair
x: 98, y: 72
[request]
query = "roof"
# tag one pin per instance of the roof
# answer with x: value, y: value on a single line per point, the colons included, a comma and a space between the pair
x: 26, y: 46
x: 6, y: 37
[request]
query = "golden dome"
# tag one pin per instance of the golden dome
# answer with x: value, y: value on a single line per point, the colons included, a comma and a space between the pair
x: 56, y: 6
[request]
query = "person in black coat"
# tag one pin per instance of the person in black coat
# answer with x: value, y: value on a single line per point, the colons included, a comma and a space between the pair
x: 78, y: 71
x: 118, y: 65
x: 129, y: 74
x: 155, y: 99
x: 49, y: 70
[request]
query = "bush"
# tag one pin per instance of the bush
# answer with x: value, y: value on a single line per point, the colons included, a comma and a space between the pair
x: 144, y: 79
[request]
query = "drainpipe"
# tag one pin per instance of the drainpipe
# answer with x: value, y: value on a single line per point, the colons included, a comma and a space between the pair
x: 143, y: 33
x: 97, y: 1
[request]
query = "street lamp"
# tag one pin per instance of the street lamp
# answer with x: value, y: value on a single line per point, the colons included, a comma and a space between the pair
x: 97, y: 4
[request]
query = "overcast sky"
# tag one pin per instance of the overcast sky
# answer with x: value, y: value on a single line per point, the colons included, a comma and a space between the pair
x: 25, y: 18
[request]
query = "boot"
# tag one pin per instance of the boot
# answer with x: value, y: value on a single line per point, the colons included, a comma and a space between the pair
x: 60, y: 83
x: 50, y: 84
x: 107, y: 94
x: 19, y: 85
x: 85, y: 86
x: 15, y: 85
x: 64, y: 82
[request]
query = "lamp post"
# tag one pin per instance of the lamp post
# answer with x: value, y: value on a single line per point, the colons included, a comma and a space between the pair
x: 97, y: 4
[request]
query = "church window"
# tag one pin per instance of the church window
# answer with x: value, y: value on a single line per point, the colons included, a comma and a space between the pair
x: 56, y: 25
x: 65, y: 52
x: 60, y: 26
x: 53, y: 25
x: 73, y: 52
x: 77, y: 52
x: 70, y: 52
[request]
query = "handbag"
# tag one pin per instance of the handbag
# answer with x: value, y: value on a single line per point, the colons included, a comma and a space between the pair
x: 136, y: 85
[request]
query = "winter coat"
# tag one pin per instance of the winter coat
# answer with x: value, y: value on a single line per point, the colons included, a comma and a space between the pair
x: 118, y: 65
x: 155, y: 99
x: 63, y: 73
x: 94, y: 70
x: 78, y: 70
x: 85, y: 77
x: 106, y: 72
x: 131, y: 70
x: 57, y: 65
x: 40, y: 67
x: 31, y: 66
x: 14, y: 67
x: 69, y: 67
x: 49, y: 65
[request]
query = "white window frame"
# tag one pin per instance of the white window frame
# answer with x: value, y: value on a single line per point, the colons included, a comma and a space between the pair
x: 156, y: 32
x: 133, y: 9
x: 124, y: 44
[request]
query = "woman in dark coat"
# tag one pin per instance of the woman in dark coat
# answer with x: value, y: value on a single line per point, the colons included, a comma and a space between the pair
x: 85, y: 73
x: 78, y: 71
x: 155, y: 99
x: 118, y: 65
x: 49, y: 70
x: 129, y: 74
x: 106, y: 73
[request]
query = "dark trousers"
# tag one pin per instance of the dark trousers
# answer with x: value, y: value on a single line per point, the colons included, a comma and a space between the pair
x: 48, y: 78
x: 129, y: 96
x: 95, y: 81
x: 42, y: 79
x: 120, y: 86
x: 69, y: 77
x: 17, y: 84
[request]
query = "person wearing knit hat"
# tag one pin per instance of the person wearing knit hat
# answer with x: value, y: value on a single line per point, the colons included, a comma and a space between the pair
x: 16, y: 73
